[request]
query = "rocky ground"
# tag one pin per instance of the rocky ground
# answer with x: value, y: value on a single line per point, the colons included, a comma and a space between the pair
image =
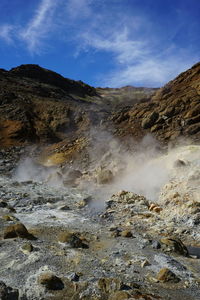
x: 57, y: 243
x: 99, y: 188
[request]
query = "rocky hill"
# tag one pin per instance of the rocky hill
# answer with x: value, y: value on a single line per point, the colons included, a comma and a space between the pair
x: 173, y: 112
x: 38, y: 105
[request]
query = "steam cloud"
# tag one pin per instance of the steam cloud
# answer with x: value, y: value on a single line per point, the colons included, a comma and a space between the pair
x: 143, y: 169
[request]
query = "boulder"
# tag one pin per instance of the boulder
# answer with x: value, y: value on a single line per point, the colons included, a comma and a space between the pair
x: 174, y: 245
x: 9, y: 232
x: 21, y: 230
x: 3, y: 204
x: 7, y: 292
x: 72, y: 239
x: 109, y: 285
x: 27, y: 248
x: 180, y: 163
x: 149, y: 120
x: 17, y: 230
x: 104, y: 176
x: 126, y: 233
x: 50, y: 281
x: 119, y: 295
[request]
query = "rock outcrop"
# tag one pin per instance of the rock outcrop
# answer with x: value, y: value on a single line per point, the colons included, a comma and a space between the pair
x: 174, y: 111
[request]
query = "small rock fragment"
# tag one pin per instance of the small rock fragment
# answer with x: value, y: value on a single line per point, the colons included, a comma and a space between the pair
x: 81, y: 204
x: 156, y: 245
x: 126, y: 233
x: 73, y: 277
x: 72, y: 239
x: 64, y: 208
x: 27, y: 248
x: 119, y: 295
x: 155, y: 208
x: 9, y: 218
x: 180, y: 163
x: 166, y: 275
x: 145, y: 263
x: 116, y: 232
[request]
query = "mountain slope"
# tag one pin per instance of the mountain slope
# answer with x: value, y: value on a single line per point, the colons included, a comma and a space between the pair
x: 38, y: 105
x: 41, y: 106
x: 174, y: 111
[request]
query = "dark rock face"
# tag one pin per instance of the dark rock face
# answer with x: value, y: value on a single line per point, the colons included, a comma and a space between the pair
x: 52, y: 78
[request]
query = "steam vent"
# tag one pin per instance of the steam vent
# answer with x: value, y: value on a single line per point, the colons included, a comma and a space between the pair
x: 99, y: 188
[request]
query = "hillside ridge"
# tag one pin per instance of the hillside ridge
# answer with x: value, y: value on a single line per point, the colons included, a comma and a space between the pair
x: 40, y: 106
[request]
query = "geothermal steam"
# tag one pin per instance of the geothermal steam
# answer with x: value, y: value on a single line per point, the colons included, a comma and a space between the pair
x: 144, y: 169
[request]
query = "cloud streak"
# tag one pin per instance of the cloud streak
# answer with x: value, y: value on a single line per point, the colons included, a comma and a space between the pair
x: 138, y: 55
x: 79, y: 8
x: 6, y: 31
x: 34, y: 33
x: 151, y: 72
x: 139, y: 58
x: 40, y: 25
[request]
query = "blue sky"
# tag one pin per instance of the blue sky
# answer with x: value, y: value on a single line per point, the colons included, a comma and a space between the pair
x: 102, y: 42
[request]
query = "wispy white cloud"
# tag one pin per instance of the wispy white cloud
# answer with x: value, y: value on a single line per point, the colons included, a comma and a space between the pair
x: 138, y: 59
x: 119, y: 43
x: 6, y: 32
x: 34, y: 33
x: 135, y: 52
x: 79, y: 8
x: 151, y: 72
x: 40, y: 25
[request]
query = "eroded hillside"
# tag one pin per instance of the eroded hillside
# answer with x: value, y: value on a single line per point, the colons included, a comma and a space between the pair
x: 173, y: 112
x: 41, y: 106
